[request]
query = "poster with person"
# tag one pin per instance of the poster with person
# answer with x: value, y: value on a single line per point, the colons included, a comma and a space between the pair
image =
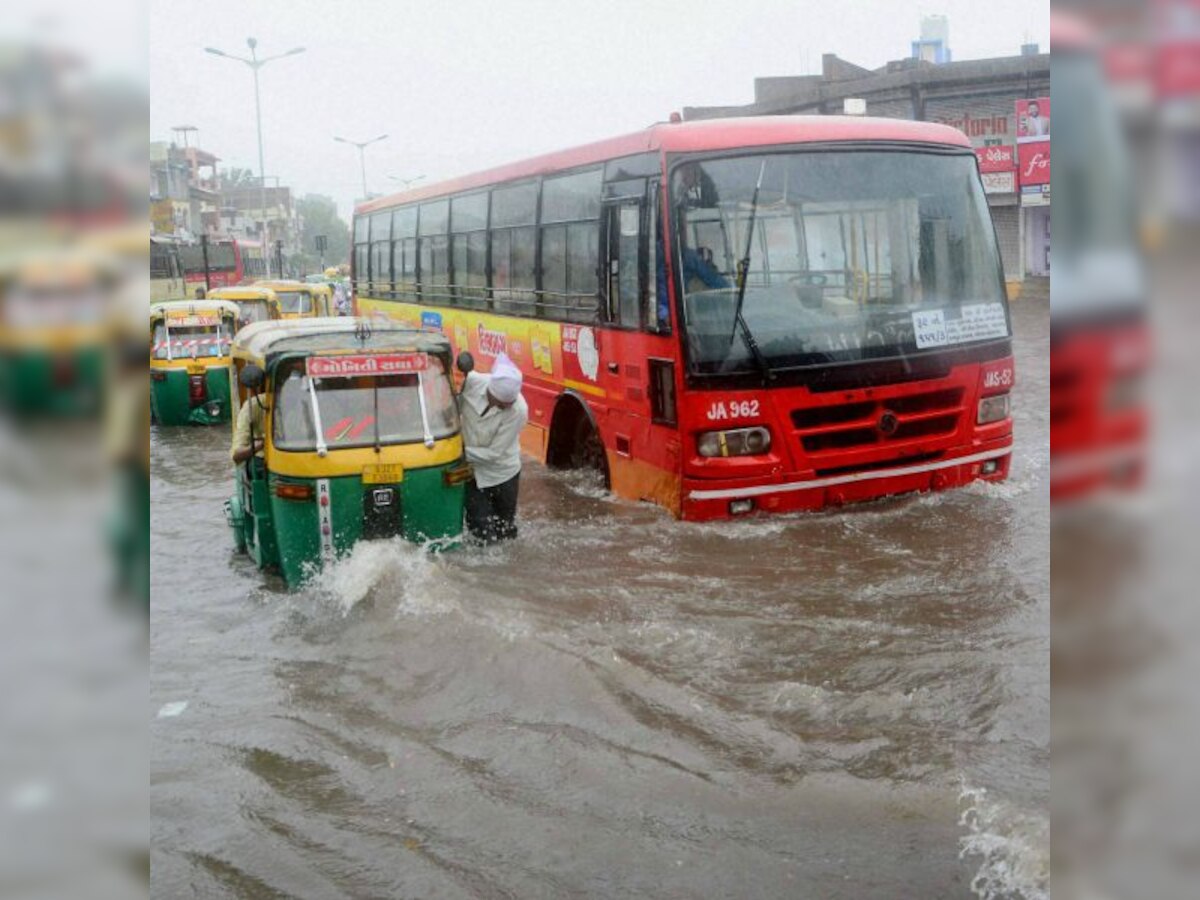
x: 1033, y: 119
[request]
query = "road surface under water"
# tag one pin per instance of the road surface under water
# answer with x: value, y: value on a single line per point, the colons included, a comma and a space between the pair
x: 848, y: 704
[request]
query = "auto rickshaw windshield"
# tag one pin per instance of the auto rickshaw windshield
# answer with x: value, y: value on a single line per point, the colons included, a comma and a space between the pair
x: 295, y: 302
x: 358, y: 411
x: 253, y: 311
x: 172, y: 342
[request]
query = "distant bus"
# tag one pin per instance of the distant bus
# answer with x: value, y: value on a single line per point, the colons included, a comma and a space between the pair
x: 231, y: 261
x: 725, y: 316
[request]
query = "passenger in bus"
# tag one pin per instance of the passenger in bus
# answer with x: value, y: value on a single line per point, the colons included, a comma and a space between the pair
x: 200, y: 293
x: 697, y: 265
x: 493, y: 414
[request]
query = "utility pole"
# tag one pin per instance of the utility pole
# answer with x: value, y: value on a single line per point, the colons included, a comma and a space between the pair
x: 204, y: 256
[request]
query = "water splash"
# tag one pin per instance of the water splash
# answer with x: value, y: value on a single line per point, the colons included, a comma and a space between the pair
x: 411, y: 572
x: 1013, y: 846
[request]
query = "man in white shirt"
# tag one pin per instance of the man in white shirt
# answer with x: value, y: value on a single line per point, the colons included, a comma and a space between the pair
x: 493, y: 414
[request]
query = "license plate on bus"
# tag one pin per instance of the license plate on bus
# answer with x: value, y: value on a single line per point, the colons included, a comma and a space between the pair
x: 383, y: 473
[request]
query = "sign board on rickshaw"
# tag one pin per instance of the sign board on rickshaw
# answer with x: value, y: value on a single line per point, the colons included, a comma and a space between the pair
x: 375, y: 364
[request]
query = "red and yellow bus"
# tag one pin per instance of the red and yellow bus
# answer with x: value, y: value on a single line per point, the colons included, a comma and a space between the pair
x: 725, y: 316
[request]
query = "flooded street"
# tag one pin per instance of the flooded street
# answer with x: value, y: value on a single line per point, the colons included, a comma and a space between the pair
x: 850, y: 704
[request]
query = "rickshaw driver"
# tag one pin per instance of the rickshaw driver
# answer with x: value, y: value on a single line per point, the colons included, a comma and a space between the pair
x: 248, y: 432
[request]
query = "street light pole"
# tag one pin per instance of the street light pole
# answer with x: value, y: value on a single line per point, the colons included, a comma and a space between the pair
x: 362, y: 156
x: 255, y: 64
x: 407, y: 181
x: 262, y: 169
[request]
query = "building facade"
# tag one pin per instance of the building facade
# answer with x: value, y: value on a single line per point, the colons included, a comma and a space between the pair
x: 185, y: 191
x: 979, y: 97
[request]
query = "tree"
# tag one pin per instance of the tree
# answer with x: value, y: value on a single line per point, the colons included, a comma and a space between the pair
x: 318, y: 215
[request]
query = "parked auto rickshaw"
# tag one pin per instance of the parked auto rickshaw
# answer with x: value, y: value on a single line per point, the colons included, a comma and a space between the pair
x: 298, y: 300
x: 190, y: 362
x: 361, y: 439
x: 54, y: 330
x: 255, y: 303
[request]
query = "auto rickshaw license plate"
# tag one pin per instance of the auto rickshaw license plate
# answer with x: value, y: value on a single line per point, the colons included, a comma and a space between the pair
x: 383, y: 473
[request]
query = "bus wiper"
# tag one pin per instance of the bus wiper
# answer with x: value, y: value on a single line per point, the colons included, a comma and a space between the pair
x: 743, y: 276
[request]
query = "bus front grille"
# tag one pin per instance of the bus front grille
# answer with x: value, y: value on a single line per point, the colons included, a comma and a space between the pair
x: 886, y: 422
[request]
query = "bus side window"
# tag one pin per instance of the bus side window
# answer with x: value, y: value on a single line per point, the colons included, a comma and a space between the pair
x: 657, y: 314
x: 625, y: 284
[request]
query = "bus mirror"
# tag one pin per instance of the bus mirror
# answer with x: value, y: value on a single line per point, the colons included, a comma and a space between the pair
x: 251, y: 377
x: 465, y: 362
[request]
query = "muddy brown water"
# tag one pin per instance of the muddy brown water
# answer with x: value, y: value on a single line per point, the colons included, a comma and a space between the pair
x: 848, y: 704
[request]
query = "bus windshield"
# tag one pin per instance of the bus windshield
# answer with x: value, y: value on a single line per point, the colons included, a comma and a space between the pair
x: 295, y: 302
x: 349, y: 408
x: 852, y: 255
x: 220, y: 258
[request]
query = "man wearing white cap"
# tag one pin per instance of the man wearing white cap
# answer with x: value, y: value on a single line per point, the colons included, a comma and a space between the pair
x: 493, y: 414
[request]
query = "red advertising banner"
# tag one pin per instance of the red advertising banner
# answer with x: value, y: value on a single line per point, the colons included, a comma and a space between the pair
x: 352, y: 366
x: 996, y: 159
x: 1033, y: 119
x: 1034, y: 163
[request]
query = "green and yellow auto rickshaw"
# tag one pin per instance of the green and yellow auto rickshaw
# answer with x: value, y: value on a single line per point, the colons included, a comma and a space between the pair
x: 299, y: 300
x: 360, y: 439
x: 255, y: 304
x: 190, y: 362
x: 55, y: 312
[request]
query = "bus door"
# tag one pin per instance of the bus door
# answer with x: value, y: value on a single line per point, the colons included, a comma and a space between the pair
x: 638, y: 361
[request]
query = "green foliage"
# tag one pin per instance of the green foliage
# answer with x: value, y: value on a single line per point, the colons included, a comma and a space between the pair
x: 318, y: 215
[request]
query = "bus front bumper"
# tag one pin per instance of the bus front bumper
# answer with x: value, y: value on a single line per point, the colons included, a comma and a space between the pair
x: 705, y: 499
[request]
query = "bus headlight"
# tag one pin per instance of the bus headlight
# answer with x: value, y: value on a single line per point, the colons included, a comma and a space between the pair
x: 735, y: 442
x: 992, y: 409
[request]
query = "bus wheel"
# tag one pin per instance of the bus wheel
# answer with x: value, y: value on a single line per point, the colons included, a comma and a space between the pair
x: 587, y: 451
x: 574, y: 441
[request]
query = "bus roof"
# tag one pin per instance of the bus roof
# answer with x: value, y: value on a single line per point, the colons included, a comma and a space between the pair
x: 690, y: 137
x: 267, y: 340
x: 193, y: 307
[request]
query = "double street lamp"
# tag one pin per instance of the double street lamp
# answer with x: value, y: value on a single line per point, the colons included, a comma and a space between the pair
x: 255, y: 64
x: 407, y: 181
x: 362, y: 158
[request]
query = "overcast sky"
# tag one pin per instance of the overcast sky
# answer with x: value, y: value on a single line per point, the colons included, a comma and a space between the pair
x: 464, y: 85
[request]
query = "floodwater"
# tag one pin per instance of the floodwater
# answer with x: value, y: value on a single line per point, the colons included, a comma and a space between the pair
x: 852, y: 704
